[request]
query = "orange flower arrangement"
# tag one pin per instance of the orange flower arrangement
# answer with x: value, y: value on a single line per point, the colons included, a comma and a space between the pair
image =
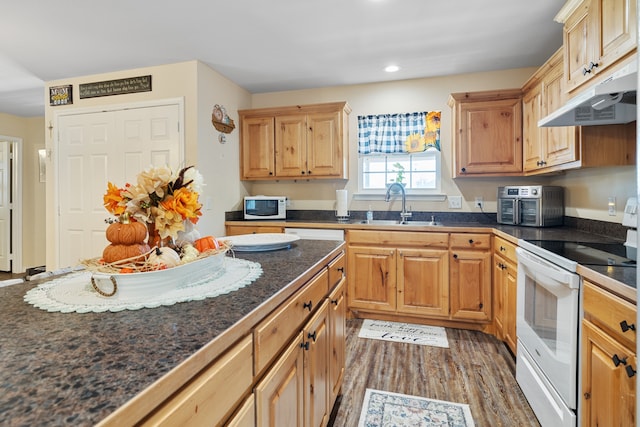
x: 159, y: 197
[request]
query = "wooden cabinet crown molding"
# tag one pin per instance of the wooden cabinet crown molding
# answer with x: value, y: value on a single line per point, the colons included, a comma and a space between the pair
x: 296, y: 109
x: 569, y: 7
x: 486, y: 95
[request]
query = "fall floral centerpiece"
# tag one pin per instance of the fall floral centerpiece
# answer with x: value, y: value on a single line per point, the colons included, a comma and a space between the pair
x: 154, y: 223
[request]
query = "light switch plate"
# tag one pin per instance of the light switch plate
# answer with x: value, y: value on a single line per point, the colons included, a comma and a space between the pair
x: 455, y: 202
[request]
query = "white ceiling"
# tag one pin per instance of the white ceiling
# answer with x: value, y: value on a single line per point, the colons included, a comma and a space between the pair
x: 268, y: 45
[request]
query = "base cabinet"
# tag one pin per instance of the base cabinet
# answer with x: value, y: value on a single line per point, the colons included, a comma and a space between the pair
x: 280, y: 394
x: 470, y: 277
x: 400, y: 277
x: 505, y: 277
x: 609, y: 362
x: 300, y: 386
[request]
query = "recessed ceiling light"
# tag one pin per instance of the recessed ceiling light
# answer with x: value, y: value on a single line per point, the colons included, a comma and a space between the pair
x: 391, y: 68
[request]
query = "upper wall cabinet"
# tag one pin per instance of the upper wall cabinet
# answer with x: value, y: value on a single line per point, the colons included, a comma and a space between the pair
x: 487, y: 133
x: 543, y: 93
x: 598, y: 34
x: 308, y: 141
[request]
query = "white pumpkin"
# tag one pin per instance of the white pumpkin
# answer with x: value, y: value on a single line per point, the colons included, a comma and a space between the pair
x: 189, y: 253
x: 164, y: 257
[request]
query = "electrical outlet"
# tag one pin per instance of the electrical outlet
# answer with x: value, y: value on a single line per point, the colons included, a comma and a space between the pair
x: 479, y: 203
x: 612, y: 206
x: 455, y: 202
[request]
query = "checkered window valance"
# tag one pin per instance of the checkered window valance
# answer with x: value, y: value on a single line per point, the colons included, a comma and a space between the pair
x: 398, y: 133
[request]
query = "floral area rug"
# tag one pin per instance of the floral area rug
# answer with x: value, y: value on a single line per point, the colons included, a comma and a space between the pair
x: 404, y: 332
x: 385, y: 409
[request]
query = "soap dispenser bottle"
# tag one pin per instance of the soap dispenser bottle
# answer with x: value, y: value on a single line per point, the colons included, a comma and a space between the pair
x: 369, y: 214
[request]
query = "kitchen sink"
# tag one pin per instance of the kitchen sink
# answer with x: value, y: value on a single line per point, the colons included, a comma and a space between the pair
x: 398, y: 222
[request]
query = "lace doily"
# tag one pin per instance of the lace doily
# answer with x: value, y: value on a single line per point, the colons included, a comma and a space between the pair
x: 74, y: 293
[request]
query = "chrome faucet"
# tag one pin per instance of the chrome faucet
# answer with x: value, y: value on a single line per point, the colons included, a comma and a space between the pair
x: 404, y: 214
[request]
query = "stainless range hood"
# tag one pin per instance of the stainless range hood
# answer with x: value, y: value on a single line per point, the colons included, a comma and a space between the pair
x: 613, y: 101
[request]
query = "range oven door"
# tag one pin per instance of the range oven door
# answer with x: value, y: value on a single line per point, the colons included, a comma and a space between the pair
x: 547, y: 321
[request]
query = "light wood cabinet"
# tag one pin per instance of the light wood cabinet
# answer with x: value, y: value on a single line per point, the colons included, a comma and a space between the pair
x: 309, y: 141
x: 338, y: 331
x: 301, y: 384
x: 234, y: 230
x: 487, y: 133
x: 609, y: 362
x: 316, y: 345
x: 550, y: 146
x: 470, y: 277
x: 211, y: 396
x: 598, y: 34
x: 398, y: 272
x: 505, y: 276
x: 280, y: 394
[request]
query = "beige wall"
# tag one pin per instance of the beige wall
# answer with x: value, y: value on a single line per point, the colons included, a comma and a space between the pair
x: 201, y: 88
x: 587, y: 190
x: 31, y: 131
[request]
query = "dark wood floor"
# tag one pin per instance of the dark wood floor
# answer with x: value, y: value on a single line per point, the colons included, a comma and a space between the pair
x: 476, y: 369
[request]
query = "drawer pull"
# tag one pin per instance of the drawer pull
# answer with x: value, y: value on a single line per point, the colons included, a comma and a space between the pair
x: 334, y: 301
x: 307, y: 305
x: 471, y: 241
x: 502, y: 249
x: 625, y: 326
x: 340, y: 269
x: 305, y: 345
x: 630, y: 371
x: 617, y: 361
x: 312, y: 336
x: 455, y: 256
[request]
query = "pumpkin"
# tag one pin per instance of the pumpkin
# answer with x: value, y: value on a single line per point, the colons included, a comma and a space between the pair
x: 164, y: 257
x: 113, y: 252
x: 126, y: 231
x: 207, y: 243
x: 189, y: 253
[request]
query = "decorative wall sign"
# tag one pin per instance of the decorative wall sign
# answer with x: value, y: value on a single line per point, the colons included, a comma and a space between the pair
x: 116, y: 87
x: 61, y: 95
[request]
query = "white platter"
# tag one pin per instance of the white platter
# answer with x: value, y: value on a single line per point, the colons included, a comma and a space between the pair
x: 260, y: 242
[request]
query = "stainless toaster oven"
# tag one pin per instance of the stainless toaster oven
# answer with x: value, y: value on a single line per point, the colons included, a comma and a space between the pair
x: 531, y: 205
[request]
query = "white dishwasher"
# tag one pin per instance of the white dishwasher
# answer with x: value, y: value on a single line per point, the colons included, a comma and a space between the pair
x: 316, y: 233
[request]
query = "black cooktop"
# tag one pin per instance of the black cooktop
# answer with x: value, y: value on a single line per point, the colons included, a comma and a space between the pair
x: 588, y: 253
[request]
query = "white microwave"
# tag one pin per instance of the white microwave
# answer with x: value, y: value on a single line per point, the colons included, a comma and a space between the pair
x: 265, y: 207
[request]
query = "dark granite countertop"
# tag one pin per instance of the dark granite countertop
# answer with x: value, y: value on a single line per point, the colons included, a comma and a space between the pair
x: 75, y: 369
x: 583, y: 231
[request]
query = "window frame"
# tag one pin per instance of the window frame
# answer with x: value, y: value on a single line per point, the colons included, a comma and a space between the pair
x: 437, y: 191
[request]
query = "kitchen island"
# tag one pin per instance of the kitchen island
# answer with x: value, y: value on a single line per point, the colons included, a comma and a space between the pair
x: 78, y: 369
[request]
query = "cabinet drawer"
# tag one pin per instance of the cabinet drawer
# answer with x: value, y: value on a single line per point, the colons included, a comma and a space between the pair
x: 210, y: 397
x: 398, y: 238
x: 272, y: 334
x: 337, y: 269
x: 470, y: 240
x: 506, y: 249
x: 608, y: 312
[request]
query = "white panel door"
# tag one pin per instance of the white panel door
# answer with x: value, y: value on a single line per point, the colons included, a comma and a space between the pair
x: 5, y: 206
x: 100, y: 147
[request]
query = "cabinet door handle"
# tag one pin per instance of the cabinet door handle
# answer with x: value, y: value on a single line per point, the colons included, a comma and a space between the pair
x: 625, y: 326
x: 305, y: 345
x: 455, y: 256
x: 307, y: 305
x: 334, y: 301
x: 502, y: 249
x: 340, y: 269
x: 463, y: 170
x: 630, y: 371
x: 471, y: 241
x: 617, y: 361
x: 312, y: 336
